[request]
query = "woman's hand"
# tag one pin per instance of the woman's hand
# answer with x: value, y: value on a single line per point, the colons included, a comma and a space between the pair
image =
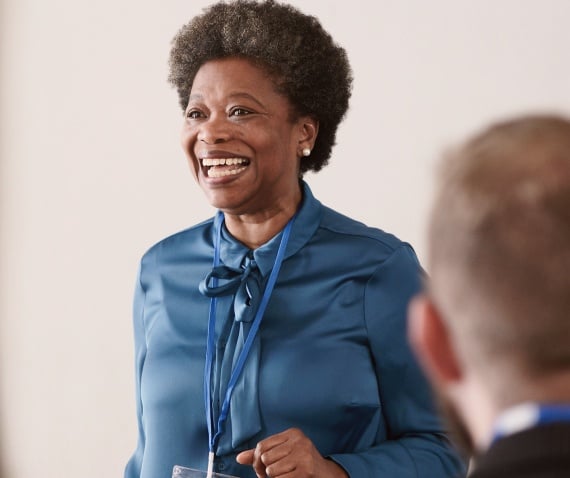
x: 289, y: 454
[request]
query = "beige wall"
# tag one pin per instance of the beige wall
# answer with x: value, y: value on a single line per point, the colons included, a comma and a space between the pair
x: 92, y: 175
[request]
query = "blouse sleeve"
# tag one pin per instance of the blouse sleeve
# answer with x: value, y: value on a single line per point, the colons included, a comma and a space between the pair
x: 133, y: 468
x: 416, y: 446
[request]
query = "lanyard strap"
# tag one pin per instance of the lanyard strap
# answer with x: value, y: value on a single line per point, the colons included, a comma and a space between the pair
x: 553, y: 413
x: 528, y: 415
x: 214, y: 434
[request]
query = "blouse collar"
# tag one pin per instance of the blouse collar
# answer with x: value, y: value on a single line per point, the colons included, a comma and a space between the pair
x: 232, y: 251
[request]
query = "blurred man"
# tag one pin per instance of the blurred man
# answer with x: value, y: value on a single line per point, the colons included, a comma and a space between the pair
x: 493, y: 329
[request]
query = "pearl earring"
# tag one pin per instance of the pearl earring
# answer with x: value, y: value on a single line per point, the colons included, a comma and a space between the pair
x: 306, y: 152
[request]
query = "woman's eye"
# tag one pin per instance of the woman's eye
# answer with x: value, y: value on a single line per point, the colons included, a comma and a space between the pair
x: 239, y: 112
x: 193, y: 114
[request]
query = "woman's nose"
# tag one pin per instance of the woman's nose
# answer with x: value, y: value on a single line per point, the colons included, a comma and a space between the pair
x: 214, y: 130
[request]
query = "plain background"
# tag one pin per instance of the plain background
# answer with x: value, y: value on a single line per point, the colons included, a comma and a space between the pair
x: 92, y: 175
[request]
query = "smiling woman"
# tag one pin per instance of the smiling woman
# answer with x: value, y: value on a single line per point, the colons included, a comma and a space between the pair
x: 244, y: 148
x: 270, y: 340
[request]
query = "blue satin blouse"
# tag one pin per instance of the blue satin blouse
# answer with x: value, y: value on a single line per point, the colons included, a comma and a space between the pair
x: 331, y: 358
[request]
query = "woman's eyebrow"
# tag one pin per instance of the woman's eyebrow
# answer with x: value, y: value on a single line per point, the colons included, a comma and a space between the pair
x: 245, y: 95
x: 198, y: 97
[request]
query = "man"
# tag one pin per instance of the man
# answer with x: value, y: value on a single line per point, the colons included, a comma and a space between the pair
x: 493, y: 328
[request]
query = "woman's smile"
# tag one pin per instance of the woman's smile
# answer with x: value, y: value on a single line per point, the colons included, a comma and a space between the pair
x: 225, y: 166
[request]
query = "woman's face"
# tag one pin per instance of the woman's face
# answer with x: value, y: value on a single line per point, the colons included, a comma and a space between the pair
x: 241, y: 144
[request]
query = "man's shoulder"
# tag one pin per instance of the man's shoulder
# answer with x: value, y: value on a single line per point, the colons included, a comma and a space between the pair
x: 538, y: 452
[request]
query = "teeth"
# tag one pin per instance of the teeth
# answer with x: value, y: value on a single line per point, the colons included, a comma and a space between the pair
x: 218, y: 173
x: 222, y: 161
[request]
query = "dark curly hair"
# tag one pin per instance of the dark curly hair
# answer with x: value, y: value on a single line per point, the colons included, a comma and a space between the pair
x: 308, y: 67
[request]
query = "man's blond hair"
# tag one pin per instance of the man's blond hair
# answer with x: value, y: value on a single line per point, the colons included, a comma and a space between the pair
x: 499, y: 253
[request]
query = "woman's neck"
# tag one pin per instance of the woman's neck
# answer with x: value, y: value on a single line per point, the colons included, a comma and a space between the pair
x: 255, y: 229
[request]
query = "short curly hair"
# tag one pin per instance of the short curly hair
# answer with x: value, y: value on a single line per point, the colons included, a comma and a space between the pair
x: 308, y: 67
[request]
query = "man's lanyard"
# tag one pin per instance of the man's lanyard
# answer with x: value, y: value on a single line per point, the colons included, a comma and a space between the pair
x: 528, y: 415
x: 213, y: 433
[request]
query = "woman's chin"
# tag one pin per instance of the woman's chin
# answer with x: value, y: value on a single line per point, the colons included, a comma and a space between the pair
x: 223, y: 200
x: 225, y: 192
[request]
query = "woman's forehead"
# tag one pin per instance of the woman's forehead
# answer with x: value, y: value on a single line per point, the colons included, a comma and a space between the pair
x: 233, y: 77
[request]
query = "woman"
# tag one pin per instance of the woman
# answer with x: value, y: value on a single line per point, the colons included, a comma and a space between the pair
x: 282, y: 318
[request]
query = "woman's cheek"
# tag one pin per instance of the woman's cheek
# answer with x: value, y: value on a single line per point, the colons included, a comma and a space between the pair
x: 187, y: 143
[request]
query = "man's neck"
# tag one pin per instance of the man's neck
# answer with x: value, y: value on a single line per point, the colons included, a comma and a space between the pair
x: 518, y: 409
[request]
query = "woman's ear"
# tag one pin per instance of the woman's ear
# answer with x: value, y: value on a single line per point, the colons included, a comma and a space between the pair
x: 431, y: 340
x: 308, y: 129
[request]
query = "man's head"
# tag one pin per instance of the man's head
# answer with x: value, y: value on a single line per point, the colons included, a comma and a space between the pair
x: 494, y: 326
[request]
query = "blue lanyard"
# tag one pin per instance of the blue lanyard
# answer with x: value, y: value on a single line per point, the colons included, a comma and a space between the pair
x: 535, y: 415
x: 214, y: 435
x: 553, y: 413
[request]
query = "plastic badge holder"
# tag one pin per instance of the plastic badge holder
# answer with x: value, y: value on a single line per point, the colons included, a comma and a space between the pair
x: 182, y: 472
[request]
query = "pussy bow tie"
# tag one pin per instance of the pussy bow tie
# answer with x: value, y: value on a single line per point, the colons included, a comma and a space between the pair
x: 245, y: 284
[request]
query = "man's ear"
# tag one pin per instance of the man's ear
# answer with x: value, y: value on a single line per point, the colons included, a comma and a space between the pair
x: 431, y: 341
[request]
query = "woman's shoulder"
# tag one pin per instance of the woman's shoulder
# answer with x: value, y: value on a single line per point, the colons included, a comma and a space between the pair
x: 186, y: 239
x: 375, y: 250
x: 356, y: 231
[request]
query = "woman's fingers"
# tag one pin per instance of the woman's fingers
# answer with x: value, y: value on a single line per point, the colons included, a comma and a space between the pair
x: 289, y: 454
x: 245, y: 457
x: 265, y: 454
